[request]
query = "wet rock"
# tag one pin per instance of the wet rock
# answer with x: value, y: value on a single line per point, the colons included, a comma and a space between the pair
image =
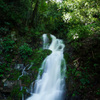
x: 11, y: 84
x: 19, y: 66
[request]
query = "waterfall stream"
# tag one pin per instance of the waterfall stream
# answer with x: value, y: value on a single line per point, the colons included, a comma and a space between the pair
x: 50, y: 85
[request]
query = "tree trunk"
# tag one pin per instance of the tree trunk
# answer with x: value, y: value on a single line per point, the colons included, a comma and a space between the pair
x: 34, y: 14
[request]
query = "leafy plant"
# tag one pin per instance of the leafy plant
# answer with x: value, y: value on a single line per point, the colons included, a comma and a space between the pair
x: 25, y: 51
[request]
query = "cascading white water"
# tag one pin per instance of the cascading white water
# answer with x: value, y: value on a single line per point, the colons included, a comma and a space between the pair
x: 50, y: 85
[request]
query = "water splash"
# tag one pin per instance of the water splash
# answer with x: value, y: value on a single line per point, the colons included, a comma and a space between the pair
x: 50, y: 85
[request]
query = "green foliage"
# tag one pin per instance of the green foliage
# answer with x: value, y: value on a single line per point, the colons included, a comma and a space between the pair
x: 25, y: 51
x: 14, y: 75
x: 3, y: 30
x: 26, y: 80
x: 7, y: 49
x: 84, y: 81
x: 4, y: 69
x: 40, y: 55
x: 81, y: 16
x: 8, y: 44
x: 15, y: 11
x: 17, y: 92
x: 98, y: 92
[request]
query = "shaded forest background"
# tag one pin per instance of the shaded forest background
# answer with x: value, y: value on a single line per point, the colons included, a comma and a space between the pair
x: 22, y: 23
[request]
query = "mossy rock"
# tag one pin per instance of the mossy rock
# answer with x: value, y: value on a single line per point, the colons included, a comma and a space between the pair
x: 47, y: 52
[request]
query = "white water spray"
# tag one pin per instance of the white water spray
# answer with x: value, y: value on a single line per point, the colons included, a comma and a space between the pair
x: 50, y: 85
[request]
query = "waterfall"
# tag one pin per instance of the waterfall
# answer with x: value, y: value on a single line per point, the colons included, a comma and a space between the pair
x: 50, y: 85
x: 45, y: 41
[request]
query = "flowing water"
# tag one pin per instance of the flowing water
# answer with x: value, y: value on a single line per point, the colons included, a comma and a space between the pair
x: 50, y: 85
